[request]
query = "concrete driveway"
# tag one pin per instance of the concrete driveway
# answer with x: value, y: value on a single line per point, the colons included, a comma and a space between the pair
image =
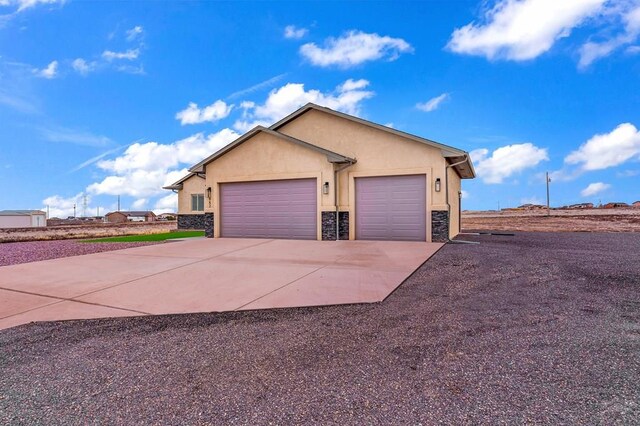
x: 203, y: 275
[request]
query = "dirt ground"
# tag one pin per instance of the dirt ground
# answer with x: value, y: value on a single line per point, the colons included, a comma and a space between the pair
x: 89, y: 230
x: 592, y: 220
x: 539, y: 328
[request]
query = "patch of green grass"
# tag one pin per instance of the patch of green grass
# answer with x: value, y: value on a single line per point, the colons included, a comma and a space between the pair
x: 147, y: 237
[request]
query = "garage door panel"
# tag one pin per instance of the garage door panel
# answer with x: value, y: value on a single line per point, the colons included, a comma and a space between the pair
x: 269, y: 209
x: 391, y: 208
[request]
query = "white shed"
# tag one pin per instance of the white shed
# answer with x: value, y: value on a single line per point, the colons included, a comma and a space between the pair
x: 22, y: 218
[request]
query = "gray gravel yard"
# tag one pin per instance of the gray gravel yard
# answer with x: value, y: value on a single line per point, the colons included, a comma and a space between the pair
x: 34, y: 251
x: 536, y: 328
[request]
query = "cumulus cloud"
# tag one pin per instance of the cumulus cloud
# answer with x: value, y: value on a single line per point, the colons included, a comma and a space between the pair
x: 83, y: 67
x: 293, y: 32
x: 49, y: 72
x: 522, y: 30
x: 506, y: 161
x: 433, y: 103
x: 212, y: 113
x: 282, y: 101
x: 592, y: 51
x: 594, y: 189
x: 168, y: 203
x: 134, y: 33
x: 607, y: 150
x: 144, y: 168
x: 354, y: 48
x: 63, y: 207
x: 128, y: 55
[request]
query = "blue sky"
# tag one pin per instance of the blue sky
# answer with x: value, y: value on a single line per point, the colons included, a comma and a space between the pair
x: 101, y: 99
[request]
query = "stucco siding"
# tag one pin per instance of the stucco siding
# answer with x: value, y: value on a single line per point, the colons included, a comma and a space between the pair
x: 454, y: 201
x: 193, y: 185
x: 377, y: 152
x: 266, y: 157
x: 15, y: 221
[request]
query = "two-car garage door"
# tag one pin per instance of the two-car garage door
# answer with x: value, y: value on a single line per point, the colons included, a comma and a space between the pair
x: 387, y: 208
x: 269, y: 209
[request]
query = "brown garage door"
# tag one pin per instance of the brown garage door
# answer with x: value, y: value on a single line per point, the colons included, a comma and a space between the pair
x: 391, y: 208
x: 269, y: 209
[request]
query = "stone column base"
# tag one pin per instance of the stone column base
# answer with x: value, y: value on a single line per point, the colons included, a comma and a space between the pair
x: 208, y: 225
x: 191, y: 221
x: 439, y: 226
x: 329, y: 226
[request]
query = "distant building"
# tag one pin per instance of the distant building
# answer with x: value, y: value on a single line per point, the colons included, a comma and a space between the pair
x: 615, y: 205
x: 22, y: 219
x: 580, y: 206
x: 636, y: 205
x: 167, y: 216
x: 532, y: 207
x: 130, y: 216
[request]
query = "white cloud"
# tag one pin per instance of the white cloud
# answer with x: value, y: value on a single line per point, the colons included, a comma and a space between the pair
x: 212, y: 113
x: 433, y: 103
x: 464, y: 194
x: 51, y: 71
x: 531, y: 200
x: 506, y: 161
x: 129, y: 55
x: 83, y: 67
x: 291, y: 31
x: 522, y: 30
x: 78, y: 137
x: 62, y: 207
x: 592, y: 51
x: 22, y: 5
x: 144, y: 168
x: 594, y: 188
x: 134, y: 33
x: 168, y: 203
x: 346, y: 98
x: 354, y: 48
x: 139, y: 204
x: 607, y: 150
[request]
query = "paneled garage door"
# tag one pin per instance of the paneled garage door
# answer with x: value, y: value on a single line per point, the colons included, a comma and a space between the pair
x: 391, y: 208
x: 269, y: 209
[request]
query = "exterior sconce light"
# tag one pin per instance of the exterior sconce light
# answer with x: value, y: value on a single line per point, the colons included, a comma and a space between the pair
x: 209, y: 193
x: 325, y: 188
x: 437, y: 185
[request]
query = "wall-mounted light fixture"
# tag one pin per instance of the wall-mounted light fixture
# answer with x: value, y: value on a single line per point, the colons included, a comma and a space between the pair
x: 437, y: 186
x: 325, y: 188
x: 209, y: 193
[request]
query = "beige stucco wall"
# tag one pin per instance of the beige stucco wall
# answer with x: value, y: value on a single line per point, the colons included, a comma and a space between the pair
x: 454, y: 201
x: 378, y: 153
x: 193, y: 185
x: 266, y: 157
x: 15, y: 221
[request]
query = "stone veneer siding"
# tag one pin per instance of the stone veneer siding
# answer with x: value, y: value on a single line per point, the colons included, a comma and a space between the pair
x: 191, y: 221
x: 439, y: 226
x: 208, y: 225
x: 329, y: 226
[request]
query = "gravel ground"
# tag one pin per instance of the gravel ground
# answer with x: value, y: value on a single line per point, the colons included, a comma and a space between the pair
x: 532, y: 329
x: 34, y: 251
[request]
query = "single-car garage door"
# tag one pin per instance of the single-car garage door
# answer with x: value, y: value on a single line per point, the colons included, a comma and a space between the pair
x: 391, y: 208
x: 269, y: 209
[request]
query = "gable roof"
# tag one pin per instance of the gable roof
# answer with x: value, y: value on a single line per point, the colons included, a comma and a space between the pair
x: 454, y: 155
x: 178, y: 185
x: 332, y: 157
x: 20, y: 212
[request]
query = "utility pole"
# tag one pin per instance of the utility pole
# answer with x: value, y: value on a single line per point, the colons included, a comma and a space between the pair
x: 548, y: 207
x: 74, y: 210
x: 97, y: 211
x: 48, y: 211
x: 84, y: 206
x: 118, y: 203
